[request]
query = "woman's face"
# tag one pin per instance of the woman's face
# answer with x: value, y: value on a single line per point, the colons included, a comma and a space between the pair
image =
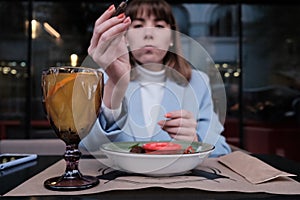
x: 149, y: 39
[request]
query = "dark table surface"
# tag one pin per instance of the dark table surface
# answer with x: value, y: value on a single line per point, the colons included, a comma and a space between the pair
x: 13, y: 177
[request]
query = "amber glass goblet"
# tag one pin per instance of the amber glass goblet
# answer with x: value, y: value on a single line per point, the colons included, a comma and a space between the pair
x: 72, y: 98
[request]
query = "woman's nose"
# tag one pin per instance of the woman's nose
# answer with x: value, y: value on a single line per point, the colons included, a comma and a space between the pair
x: 148, y: 32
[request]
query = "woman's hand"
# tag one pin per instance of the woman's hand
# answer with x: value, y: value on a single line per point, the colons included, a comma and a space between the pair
x: 181, y: 125
x: 108, y: 49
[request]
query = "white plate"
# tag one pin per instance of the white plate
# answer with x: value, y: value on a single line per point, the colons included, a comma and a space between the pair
x: 152, y: 164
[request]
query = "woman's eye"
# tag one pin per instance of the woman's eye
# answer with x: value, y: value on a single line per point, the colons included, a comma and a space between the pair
x: 159, y: 26
x: 137, y: 26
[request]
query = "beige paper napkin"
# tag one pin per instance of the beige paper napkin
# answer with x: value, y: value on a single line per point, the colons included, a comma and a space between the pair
x: 251, y: 168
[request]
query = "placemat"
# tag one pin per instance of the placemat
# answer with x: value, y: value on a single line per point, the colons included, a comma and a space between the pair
x: 210, y: 175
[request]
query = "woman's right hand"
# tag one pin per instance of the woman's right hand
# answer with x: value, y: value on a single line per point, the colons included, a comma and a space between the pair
x: 107, y: 47
x: 109, y: 50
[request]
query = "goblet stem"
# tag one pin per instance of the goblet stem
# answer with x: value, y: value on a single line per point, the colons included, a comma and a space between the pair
x: 72, y: 156
x: 72, y: 179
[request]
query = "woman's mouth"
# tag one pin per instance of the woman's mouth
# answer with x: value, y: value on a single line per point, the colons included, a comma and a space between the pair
x: 148, y: 48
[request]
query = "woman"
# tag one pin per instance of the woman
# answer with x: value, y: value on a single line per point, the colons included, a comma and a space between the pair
x: 150, y: 92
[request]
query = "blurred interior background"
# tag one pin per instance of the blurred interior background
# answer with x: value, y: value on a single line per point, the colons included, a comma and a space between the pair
x: 255, y: 46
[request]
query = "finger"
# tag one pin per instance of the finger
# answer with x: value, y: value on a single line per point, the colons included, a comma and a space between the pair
x: 115, y: 31
x: 178, y: 122
x: 171, y: 123
x: 179, y: 114
x: 184, y: 137
x: 108, y: 29
x: 104, y: 17
x: 110, y: 46
x: 181, y: 132
x: 111, y: 39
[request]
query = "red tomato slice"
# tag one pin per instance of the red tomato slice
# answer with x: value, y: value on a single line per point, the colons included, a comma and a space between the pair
x: 161, y: 146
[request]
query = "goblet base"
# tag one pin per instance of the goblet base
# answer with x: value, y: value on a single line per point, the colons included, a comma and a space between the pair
x: 66, y: 184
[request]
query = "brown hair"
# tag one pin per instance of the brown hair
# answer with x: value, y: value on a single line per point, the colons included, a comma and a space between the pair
x: 162, y: 10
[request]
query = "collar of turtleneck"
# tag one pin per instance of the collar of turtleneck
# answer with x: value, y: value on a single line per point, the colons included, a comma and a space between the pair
x: 146, y: 76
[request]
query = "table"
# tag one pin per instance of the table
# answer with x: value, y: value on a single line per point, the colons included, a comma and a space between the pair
x: 9, y: 181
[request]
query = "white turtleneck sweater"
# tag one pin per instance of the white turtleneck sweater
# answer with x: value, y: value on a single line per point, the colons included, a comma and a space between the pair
x: 151, y: 83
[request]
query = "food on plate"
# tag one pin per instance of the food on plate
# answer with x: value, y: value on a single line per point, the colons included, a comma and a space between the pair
x: 161, y: 148
x: 137, y: 149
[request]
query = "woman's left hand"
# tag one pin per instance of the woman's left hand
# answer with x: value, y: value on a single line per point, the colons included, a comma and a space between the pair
x: 181, y: 125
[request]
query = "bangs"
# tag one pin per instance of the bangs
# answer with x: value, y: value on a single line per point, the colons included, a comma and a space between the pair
x: 148, y: 8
